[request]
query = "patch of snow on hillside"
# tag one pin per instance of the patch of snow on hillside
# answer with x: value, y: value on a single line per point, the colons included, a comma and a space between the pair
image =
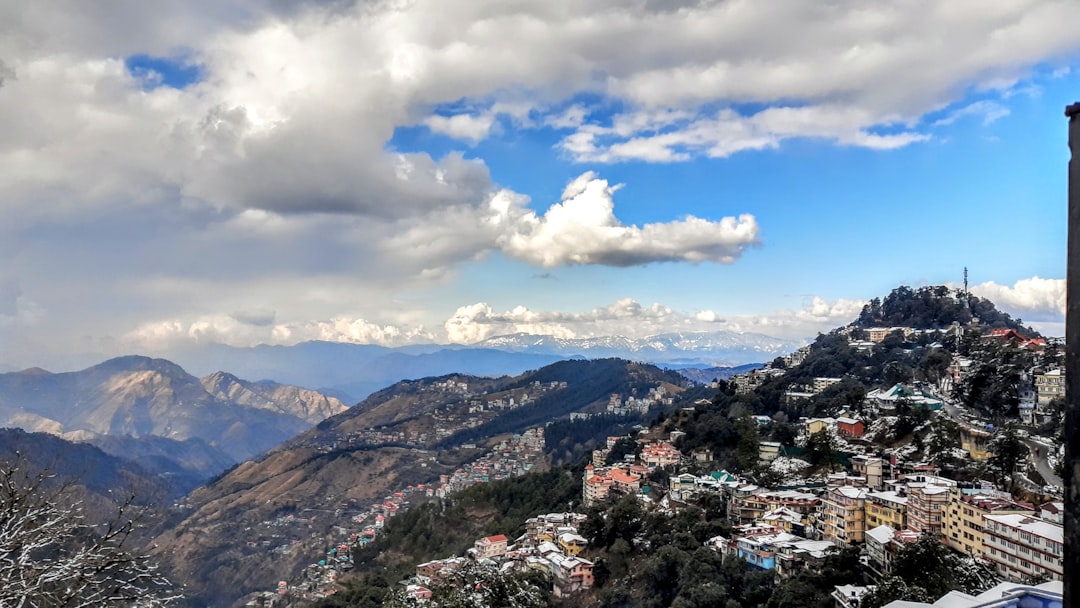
x: 880, y: 429
x: 788, y: 466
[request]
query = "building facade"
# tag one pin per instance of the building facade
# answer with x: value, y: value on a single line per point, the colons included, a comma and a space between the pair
x: 965, y: 519
x: 1022, y: 548
x: 844, y: 515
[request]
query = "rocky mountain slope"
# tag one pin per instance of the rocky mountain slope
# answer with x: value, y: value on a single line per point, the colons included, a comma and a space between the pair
x: 142, y: 397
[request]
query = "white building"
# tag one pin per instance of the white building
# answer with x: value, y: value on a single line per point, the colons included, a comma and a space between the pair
x: 1022, y: 547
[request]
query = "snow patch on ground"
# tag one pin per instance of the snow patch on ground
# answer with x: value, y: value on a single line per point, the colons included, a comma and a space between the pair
x: 880, y: 429
x: 789, y: 466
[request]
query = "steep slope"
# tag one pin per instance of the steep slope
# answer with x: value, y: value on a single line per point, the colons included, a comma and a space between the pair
x: 231, y: 541
x: 142, y: 397
x: 305, y: 404
x: 94, y: 477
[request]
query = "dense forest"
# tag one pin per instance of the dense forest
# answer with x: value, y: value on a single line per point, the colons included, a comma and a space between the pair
x: 935, y: 307
x: 589, y: 382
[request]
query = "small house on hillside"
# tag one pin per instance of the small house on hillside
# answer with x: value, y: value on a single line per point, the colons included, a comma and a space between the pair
x: 850, y: 427
x: 491, y: 546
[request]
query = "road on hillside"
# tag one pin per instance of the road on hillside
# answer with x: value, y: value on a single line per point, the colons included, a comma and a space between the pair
x: 1041, y: 464
x: 1039, y: 459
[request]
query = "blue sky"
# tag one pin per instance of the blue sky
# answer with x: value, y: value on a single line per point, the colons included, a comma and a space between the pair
x: 243, y: 173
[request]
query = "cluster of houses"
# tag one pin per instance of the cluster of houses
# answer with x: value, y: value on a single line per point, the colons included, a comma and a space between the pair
x: 632, y: 404
x: 515, y: 456
x: 879, y: 504
x: 551, y: 544
x: 510, y: 458
x: 464, y: 407
x: 601, y: 481
x: 515, y: 398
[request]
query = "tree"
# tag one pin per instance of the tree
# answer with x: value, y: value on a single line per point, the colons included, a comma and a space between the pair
x: 1008, y: 451
x: 944, y: 439
x: 52, y: 556
x: 930, y: 565
x: 891, y: 589
x: 822, y: 448
x: 747, y: 450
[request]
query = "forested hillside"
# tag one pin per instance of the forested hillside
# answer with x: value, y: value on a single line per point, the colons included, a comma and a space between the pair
x: 935, y: 307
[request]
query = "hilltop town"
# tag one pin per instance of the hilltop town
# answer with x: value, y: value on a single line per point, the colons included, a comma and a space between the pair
x: 913, y: 435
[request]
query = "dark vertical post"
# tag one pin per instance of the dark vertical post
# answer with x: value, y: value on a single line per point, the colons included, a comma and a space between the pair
x: 1072, y: 369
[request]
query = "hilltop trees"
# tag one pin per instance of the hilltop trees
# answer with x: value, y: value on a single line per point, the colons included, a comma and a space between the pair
x: 934, y: 307
x: 53, y: 556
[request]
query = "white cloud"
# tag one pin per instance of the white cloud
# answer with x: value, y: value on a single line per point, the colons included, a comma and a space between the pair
x: 277, y: 164
x: 628, y: 318
x: 679, y: 137
x: 989, y: 111
x: 583, y: 229
x: 158, y: 336
x: 707, y: 316
x: 1033, y: 299
x: 816, y: 315
x: 468, y: 127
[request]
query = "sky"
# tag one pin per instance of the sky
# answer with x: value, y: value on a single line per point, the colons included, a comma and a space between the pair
x: 417, y: 171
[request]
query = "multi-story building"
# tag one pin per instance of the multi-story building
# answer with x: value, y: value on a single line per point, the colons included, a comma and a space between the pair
x: 870, y: 467
x: 886, y: 509
x: 1050, y: 385
x: 1024, y: 548
x: 850, y: 427
x: 844, y: 515
x: 570, y: 574
x: 965, y: 523
x: 779, y: 551
x: 491, y: 546
x: 746, y: 383
x: 749, y: 503
x: 598, y: 484
x: 877, y: 539
x: 823, y: 383
x: 926, y: 507
x: 660, y: 454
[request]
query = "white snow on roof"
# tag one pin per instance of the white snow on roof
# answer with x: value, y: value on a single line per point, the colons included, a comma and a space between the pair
x: 1026, y: 523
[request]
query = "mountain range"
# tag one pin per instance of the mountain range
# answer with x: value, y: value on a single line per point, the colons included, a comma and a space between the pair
x: 152, y: 408
x: 353, y: 371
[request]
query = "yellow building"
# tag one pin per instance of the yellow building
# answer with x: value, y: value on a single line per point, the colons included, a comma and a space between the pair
x: 872, y: 468
x: 572, y: 544
x: 886, y: 509
x: 844, y: 515
x: 965, y: 523
x: 1050, y: 385
x: 816, y: 425
x: 976, y: 442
